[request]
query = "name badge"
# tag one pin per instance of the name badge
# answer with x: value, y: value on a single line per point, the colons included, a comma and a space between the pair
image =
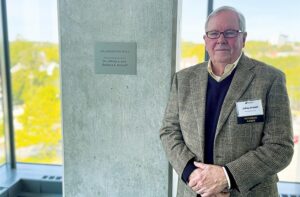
x: 249, y: 111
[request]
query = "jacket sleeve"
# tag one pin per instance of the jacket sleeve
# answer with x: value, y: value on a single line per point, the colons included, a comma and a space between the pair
x: 171, y: 137
x: 276, y: 149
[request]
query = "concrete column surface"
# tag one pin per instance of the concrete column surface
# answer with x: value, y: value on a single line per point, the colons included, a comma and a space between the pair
x: 111, y: 122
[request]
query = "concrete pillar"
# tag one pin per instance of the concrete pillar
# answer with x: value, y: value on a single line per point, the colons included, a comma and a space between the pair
x: 111, y: 122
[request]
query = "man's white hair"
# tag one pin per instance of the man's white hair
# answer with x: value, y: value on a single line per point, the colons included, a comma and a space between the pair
x: 241, y: 18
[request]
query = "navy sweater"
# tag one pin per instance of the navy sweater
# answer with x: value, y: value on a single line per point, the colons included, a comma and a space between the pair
x: 215, y: 94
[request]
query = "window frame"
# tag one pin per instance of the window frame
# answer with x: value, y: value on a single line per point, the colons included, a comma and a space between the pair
x: 10, y: 135
x: 6, y: 89
x: 12, y: 172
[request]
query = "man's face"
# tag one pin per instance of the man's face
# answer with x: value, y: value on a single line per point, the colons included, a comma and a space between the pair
x: 224, y: 50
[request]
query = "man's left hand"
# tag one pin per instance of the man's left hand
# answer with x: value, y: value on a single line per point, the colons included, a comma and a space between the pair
x: 210, y: 181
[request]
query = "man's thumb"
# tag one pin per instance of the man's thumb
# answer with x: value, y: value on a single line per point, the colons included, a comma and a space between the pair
x: 199, y: 165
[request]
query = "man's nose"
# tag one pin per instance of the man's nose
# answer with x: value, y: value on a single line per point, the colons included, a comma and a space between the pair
x: 221, y: 39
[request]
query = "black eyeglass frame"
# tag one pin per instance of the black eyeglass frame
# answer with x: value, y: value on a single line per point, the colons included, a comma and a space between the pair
x: 234, y: 34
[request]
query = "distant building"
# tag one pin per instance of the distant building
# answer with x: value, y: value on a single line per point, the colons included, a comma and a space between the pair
x: 279, y: 39
x: 49, y: 68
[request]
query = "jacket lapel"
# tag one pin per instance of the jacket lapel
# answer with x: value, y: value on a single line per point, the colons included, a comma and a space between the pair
x: 198, y: 85
x: 241, y: 80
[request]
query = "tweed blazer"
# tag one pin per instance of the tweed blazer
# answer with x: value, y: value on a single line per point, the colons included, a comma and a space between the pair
x: 253, y: 152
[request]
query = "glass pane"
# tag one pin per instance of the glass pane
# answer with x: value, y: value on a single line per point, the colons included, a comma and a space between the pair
x: 193, y: 17
x: 2, y: 137
x: 274, y: 38
x: 34, y: 56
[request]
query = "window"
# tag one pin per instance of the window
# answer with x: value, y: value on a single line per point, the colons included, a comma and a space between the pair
x: 193, y: 18
x: 34, y: 68
x: 273, y: 38
x: 2, y: 65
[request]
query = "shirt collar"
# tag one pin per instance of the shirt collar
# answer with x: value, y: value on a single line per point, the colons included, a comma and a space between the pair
x: 227, y: 71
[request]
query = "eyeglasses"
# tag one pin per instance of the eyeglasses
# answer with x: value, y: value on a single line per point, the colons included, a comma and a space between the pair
x: 227, y: 34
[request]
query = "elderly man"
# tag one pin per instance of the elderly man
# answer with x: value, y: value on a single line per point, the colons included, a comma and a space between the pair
x: 227, y: 126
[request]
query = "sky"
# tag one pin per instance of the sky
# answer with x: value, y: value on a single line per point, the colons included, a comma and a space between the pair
x: 32, y: 20
x: 265, y: 19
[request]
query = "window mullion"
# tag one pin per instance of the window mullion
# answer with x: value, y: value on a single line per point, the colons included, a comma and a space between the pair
x: 6, y: 86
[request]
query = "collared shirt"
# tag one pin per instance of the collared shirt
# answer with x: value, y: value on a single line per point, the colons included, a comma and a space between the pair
x: 227, y: 71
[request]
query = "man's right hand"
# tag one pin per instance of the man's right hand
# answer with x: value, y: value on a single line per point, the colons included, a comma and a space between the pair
x: 199, y: 180
x: 207, y: 180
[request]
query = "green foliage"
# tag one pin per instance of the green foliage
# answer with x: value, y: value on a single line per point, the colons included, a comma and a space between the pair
x: 26, y: 60
x: 40, y: 118
x: 31, y: 53
x: 189, y: 50
x: 2, y: 145
x: 35, y: 84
